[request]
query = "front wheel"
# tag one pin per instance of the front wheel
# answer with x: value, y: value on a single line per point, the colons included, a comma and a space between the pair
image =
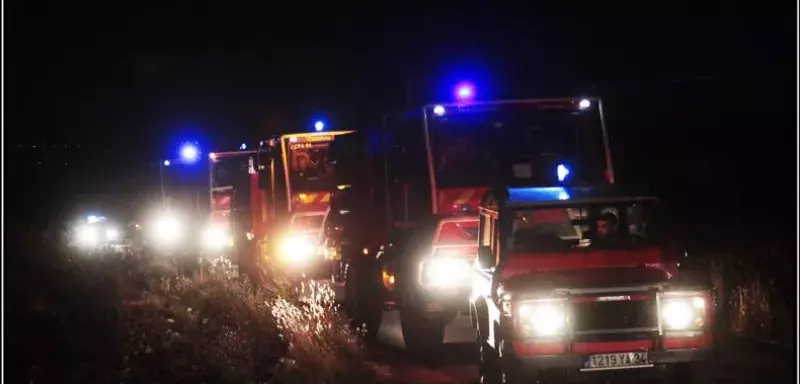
x: 363, y: 297
x: 422, y: 334
x: 488, y: 363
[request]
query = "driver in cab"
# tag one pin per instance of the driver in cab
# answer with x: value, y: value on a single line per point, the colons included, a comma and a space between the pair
x: 607, y: 229
x: 305, y: 170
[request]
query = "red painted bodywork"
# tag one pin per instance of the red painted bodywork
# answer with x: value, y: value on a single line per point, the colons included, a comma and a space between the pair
x: 694, y: 342
x: 222, y: 201
x: 527, y: 348
x: 597, y: 268
x: 221, y: 208
x: 450, y: 201
x: 519, y: 264
x: 557, y: 347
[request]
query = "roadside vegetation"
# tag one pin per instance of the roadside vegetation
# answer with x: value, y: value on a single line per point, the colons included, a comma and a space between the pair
x: 750, y: 302
x: 133, y: 319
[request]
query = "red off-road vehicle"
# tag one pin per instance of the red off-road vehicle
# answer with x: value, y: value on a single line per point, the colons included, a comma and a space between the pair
x: 582, y: 282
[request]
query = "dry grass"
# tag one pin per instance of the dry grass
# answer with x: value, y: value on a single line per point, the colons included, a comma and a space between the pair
x: 751, y: 305
x: 126, y: 319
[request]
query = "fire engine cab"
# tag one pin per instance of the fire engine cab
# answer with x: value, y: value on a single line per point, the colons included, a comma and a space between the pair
x: 583, y: 281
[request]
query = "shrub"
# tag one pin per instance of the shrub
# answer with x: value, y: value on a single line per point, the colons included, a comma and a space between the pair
x: 751, y: 304
x: 122, y: 318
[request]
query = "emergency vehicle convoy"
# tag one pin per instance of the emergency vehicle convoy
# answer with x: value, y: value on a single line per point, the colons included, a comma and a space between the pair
x: 575, y: 281
x: 278, y: 195
x: 437, y: 164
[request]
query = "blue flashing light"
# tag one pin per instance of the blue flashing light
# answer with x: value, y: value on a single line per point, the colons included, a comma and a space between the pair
x: 190, y: 153
x: 537, y: 194
x: 584, y: 104
x: 465, y: 92
x: 562, y: 171
x: 243, y: 146
x: 439, y: 110
x: 167, y: 163
x: 319, y: 126
x: 91, y: 219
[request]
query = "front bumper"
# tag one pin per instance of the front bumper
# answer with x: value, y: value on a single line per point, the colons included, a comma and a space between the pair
x: 579, y: 362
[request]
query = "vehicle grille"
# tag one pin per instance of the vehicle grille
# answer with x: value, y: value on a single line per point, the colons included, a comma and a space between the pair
x: 607, y: 315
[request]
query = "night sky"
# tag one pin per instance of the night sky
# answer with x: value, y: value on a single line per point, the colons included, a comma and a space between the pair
x: 152, y: 72
x: 710, y: 87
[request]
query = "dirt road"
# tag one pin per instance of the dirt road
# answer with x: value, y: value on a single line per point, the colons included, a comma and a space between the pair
x: 737, y: 361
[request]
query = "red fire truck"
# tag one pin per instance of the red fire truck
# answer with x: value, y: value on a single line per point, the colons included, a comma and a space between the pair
x: 278, y: 193
x: 438, y: 163
x: 309, y: 180
x: 238, y: 202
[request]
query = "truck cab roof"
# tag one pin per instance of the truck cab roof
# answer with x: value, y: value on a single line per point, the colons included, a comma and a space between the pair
x: 531, y: 197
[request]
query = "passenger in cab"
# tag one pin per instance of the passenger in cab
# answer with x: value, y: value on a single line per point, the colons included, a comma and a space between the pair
x: 607, y: 226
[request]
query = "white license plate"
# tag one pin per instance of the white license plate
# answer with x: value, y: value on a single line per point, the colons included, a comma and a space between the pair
x: 617, y: 360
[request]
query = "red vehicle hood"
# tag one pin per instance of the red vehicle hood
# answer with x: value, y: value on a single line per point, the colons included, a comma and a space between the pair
x: 589, y: 268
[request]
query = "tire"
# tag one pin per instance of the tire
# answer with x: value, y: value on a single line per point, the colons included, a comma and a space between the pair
x: 488, y: 364
x: 511, y: 372
x: 422, y: 335
x: 363, y: 298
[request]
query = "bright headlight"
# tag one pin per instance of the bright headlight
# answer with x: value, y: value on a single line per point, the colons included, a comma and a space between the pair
x: 445, y: 272
x: 87, y: 235
x: 216, y: 237
x: 544, y: 318
x: 112, y: 234
x: 167, y: 229
x: 298, y: 248
x: 682, y: 311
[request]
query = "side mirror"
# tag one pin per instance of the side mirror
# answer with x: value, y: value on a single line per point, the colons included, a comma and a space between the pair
x: 485, y: 257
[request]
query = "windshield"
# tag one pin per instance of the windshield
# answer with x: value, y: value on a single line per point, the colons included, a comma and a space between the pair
x: 306, y: 223
x: 309, y: 167
x: 591, y: 226
x: 473, y: 145
x: 229, y: 174
x: 458, y: 233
